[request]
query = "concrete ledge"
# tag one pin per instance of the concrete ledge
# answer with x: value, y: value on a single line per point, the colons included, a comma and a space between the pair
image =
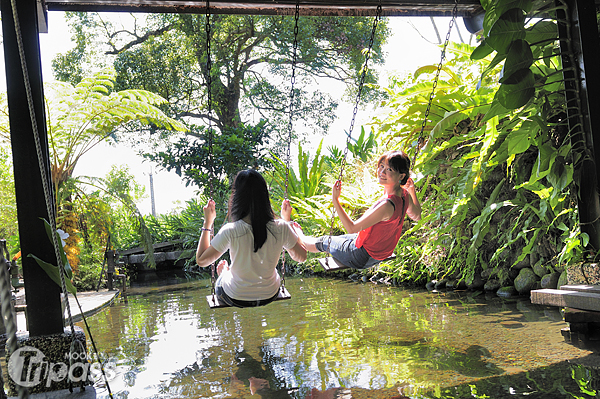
x: 566, y: 299
x: 594, y: 289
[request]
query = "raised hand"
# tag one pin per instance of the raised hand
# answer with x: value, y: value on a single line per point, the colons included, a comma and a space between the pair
x: 286, y: 210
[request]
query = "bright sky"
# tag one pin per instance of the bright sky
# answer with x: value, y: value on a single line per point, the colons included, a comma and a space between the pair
x: 409, y: 48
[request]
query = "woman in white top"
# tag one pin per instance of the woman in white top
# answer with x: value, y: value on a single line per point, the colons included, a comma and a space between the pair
x: 254, y: 239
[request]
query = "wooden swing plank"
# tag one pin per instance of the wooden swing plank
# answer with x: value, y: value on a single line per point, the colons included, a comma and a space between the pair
x: 335, y: 265
x: 214, y: 303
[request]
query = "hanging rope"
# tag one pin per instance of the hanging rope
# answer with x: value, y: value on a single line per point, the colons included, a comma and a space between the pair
x: 290, y: 125
x: 421, y: 139
x: 43, y: 171
x: 357, y: 103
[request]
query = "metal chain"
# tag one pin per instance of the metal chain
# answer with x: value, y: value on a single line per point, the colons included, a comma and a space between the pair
x: 292, y: 93
x: 211, y: 170
x: 290, y: 126
x: 421, y: 140
x: 355, y: 111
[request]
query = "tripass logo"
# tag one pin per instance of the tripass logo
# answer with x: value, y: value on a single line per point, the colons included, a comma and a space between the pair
x: 28, y: 367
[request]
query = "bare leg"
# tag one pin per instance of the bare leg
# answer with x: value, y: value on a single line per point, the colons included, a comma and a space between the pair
x: 307, y: 241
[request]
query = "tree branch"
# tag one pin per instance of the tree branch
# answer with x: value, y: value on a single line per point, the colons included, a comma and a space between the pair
x: 141, y: 39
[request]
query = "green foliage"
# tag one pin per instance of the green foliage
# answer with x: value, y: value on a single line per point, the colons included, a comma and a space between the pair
x: 496, y: 172
x: 53, y: 271
x: 308, y: 181
x: 233, y: 149
x: 365, y: 146
x: 8, y: 205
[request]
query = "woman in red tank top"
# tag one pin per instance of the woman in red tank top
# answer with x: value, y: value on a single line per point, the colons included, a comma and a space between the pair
x: 373, y: 237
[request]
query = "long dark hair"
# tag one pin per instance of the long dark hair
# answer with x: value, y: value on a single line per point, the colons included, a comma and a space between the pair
x: 250, y: 196
x: 398, y: 161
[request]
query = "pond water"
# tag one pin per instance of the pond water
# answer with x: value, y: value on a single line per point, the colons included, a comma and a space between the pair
x: 337, y: 339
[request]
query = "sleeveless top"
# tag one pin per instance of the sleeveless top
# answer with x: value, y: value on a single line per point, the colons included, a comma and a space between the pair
x: 381, y: 239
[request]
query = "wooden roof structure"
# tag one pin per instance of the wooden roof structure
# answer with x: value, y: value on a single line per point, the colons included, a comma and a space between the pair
x: 349, y: 8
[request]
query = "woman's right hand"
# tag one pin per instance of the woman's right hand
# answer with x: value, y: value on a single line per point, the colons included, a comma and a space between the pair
x: 210, y: 213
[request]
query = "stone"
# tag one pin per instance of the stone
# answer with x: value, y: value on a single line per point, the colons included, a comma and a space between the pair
x: 441, y: 284
x: 476, y: 284
x: 540, y: 270
x: 487, y: 273
x: 525, y: 281
x: 507, y: 292
x: 49, y: 349
x: 550, y: 280
x: 523, y: 264
x: 563, y: 279
x: 585, y: 273
x: 492, y: 285
x: 430, y: 286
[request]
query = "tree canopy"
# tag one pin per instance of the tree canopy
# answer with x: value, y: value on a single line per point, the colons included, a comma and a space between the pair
x: 250, y: 74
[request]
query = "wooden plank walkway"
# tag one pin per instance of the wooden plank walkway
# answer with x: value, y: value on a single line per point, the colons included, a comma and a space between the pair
x: 91, y: 302
x: 583, y: 297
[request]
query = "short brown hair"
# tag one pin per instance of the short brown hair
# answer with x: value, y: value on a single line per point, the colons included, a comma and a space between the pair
x: 399, y: 161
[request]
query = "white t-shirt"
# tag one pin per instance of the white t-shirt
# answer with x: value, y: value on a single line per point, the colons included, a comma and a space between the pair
x: 253, y: 275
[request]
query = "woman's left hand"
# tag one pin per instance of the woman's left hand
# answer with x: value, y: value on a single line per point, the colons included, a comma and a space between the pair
x: 336, y: 191
x: 210, y: 213
x: 410, y: 186
x: 286, y: 210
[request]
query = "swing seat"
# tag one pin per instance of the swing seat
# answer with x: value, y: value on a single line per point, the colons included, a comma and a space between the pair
x: 214, y: 303
x: 335, y: 265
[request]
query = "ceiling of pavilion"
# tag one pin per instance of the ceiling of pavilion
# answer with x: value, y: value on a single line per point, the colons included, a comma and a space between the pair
x: 466, y: 8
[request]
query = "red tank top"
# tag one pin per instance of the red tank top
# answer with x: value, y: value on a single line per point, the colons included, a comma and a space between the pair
x: 380, y: 239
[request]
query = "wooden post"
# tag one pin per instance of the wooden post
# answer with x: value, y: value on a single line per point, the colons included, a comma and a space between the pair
x: 579, y: 44
x: 110, y: 269
x: 41, y: 293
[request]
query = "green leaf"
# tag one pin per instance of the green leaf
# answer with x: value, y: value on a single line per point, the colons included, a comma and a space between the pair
x: 482, y: 51
x: 519, y: 57
x: 517, y: 90
x: 508, y: 27
x: 519, y: 141
x: 53, y: 273
x: 63, y: 255
x: 541, y: 32
x: 504, y: 5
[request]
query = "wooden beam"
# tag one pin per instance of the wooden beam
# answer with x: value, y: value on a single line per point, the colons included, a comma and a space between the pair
x: 347, y: 8
x: 580, y: 49
x: 42, y: 295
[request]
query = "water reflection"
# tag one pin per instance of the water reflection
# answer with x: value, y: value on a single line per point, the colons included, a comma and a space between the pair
x: 333, y: 339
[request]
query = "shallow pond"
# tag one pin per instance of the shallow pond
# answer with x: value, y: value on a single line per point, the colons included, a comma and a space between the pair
x: 337, y: 339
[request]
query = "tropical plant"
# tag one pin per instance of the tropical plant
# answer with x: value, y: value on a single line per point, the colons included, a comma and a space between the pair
x: 79, y: 118
x: 496, y: 171
x: 364, y: 146
x: 308, y: 181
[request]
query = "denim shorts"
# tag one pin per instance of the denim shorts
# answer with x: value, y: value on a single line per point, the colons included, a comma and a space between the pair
x: 238, y: 303
x: 343, y: 249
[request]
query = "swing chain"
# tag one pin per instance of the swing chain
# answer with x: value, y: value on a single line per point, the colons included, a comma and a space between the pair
x: 292, y: 93
x: 211, y: 171
x: 421, y: 139
x: 290, y: 125
x: 355, y: 111
x: 360, y: 88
